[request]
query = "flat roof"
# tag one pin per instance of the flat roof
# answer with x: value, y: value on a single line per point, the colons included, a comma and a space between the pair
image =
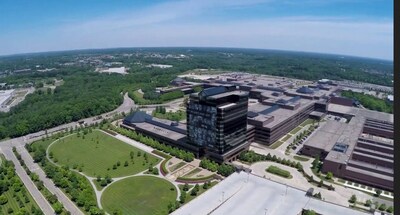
x: 327, y: 135
x: 353, y: 111
x: 243, y: 193
x: 280, y: 114
x: 169, y: 134
x: 235, y: 92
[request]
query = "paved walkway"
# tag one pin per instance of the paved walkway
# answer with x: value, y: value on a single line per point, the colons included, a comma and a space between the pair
x: 30, y: 186
x: 48, y: 183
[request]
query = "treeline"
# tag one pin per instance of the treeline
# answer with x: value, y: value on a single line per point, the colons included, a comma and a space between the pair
x: 174, y: 151
x: 83, y: 94
x: 222, y: 169
x: 369, y: 102
x: 151, y: 97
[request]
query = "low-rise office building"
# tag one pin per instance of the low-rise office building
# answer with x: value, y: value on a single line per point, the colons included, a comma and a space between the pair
x: 360, y: 150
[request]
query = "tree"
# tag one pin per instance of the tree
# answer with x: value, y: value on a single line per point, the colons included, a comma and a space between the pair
x: 3, y: 200
x: 185, y: 187
x: 368, y: 203
x: 108, y: 179
x: 382, y: 207
x: 378, y: 192
x: 193, y: 192
x: 315, y: 163
x: 132, y: 154
x: 58, y: 207
x: 329, y: 175
x: 309, y: 212
x: 182, y: 197
x: 390, y: 209
x: 103, y: 183
x: 353, y: 199
x: 197, y: 187
x: 126, y: 164
x: 205, y: 186
x: 171, y: 207
x: 320, y: 183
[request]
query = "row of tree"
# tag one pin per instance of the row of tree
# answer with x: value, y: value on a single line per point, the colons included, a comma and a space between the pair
x: 222, y: 169
x: 174, y: 151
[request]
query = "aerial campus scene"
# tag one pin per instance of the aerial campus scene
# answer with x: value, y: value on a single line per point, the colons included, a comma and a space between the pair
x: 193, y: 107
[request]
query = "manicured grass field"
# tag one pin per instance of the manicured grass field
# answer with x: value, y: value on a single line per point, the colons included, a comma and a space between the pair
x: 139, y: 195
x: 97, y: 154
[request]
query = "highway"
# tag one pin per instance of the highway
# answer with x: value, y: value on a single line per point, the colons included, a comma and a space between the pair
x: 19, y: 142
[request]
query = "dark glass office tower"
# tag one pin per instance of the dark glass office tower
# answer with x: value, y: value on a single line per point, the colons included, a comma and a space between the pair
x: 217, y: 122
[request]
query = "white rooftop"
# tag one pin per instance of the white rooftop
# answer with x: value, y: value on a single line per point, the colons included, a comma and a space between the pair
x: 243, y: 193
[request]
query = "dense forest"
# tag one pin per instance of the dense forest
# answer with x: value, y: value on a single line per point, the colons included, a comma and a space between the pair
x: 86, y: 93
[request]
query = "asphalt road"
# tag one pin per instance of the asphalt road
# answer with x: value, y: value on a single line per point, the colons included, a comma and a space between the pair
x: 19, y: 142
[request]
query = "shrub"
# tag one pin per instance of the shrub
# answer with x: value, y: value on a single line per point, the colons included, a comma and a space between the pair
x: 278, y: 171
x: 353, y: 199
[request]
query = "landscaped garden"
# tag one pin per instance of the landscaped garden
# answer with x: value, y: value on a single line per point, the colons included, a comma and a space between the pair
x: 99, y: 154
x: 14, y: 198
x: 139, y: 195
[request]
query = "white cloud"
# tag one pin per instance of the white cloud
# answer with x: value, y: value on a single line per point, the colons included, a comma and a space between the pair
x: 169, y: 24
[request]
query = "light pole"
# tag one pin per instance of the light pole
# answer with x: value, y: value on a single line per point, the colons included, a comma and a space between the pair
x: 266, y: 210
x: 223, y: 195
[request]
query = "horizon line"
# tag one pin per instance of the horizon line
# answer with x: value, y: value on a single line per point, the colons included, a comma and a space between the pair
x: 181, y: 47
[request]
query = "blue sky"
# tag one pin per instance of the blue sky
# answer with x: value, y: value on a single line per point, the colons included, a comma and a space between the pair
x: 350, y: 27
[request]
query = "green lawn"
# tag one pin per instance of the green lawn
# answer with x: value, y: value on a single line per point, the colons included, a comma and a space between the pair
x: 176, y: 166
x: 192, y: 173
x: 43, y: 143
x: 286, y: 137
x: 97, y: 154
x: 276, y: 144
x: 295, y: 130
x: 307, y: 122
x: 201, y: 190
x: 139, y: 195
